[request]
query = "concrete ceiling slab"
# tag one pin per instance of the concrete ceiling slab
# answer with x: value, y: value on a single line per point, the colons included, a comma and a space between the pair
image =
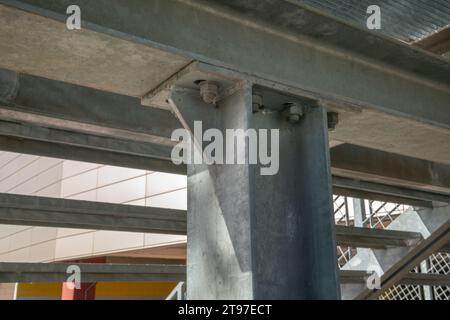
x: 44, y: 47
x: 381, y: 131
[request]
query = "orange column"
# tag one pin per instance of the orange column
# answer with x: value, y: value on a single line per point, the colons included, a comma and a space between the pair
x: 86, y: 292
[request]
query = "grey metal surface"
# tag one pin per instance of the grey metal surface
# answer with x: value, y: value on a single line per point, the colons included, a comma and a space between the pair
x: 384, y: 189
x: 85, y: 153
x: 63, y: 213
x: 57, y: 272
x: 59, y: 104
x: 352, y: 276
x: 403, y: 136
x: 297, y: 17
x: 359, y: 212
x: 152, y: 152
x: 375, y: 238
x: 51, y: 118
x: 28, y: 139
x: 373, y: 196
x: 297, y: 203
x: 219, y: 251
x: 362, y: 163
x: 338, y: 65
x: 405, y: 20
x: 428, y: 279
x: 45, y: 47
x: 249, y: 235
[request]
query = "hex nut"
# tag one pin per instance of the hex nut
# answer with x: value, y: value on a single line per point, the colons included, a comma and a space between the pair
x: 293, y: 112
x: 209, y: 91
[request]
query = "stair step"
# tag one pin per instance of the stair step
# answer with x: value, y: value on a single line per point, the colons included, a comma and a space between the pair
x: 414, y: 279
x: 375, y: 238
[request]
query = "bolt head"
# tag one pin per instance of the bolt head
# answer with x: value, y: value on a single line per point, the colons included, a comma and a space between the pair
x: 293, y: 112
x: 293, y: 118
x: 209, y: 91
x: 333, y: 120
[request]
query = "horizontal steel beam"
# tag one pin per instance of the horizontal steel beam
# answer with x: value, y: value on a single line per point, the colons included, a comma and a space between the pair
x: 348, y: 66
x: 55, y: 143
x: 51, y: 118
x: 63, y: 213
x: 58, y: 272
x: 361, y: 194
x: 389, y: 190
x: 426, y: 279
x: 51, y: 112
x: 352, y: 276
x: 366, y: 164
x: 51, y: 212
x: 55, y: 119
x: 414, y: 279
x: 62, y: 144
x: 73, y: 138
x: 60, y: 105
x: 375, y: 238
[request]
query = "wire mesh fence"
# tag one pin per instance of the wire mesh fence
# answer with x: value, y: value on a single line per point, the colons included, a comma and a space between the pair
x: 440, y: 263
x: 404, y: 292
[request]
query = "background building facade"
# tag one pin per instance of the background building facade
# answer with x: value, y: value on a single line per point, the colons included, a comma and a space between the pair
x: 47, y: 177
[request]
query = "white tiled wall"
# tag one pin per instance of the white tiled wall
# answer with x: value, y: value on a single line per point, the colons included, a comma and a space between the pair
x: 7, y: 291
x: 31, y: 175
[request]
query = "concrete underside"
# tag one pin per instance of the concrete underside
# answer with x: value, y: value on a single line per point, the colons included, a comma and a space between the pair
x: 377, y: 130
x: 41, y: 46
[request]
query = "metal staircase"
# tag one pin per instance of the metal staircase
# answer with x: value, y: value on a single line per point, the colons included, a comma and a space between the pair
x: 397, y: 244
x: 408, y: 247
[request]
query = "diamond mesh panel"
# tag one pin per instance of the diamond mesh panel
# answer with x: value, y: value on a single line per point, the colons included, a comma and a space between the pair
x: 440, y: 263
x: 403, y: 292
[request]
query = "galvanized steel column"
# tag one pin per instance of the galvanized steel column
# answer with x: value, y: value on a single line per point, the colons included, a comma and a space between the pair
x: 260, y: 237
